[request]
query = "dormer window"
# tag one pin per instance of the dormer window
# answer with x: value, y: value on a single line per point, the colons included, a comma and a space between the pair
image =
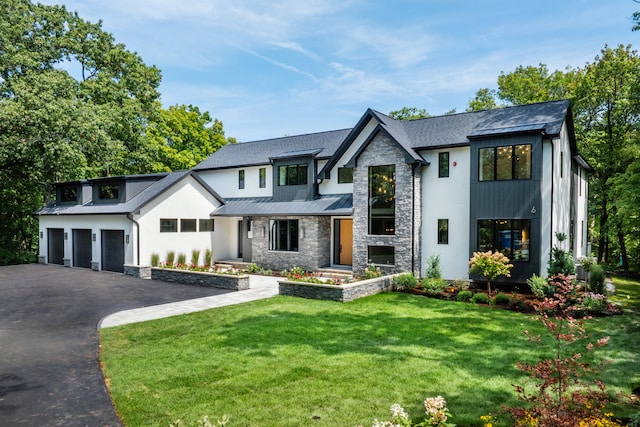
x: 69, y: 195
x: 292, y: 175
x: 109, y: 192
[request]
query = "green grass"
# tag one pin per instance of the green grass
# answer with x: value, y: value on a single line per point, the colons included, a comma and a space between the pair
x: 295, y: 362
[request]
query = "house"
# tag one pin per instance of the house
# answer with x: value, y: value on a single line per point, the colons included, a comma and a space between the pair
x: 392, y: 193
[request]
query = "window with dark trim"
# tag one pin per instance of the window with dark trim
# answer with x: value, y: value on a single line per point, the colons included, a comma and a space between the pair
x: 188, y: 225
x: 504, y: 163
x: 262, y: 177
x: 512, y: 237
x: 206, y: 224
x: 168, y: 225
x: 292, y: 175
x: 345, y: 175
x: 283, y: 235
x: 381, y: 255
x: 109, y: 192
x: 241, y: 179
x: 443, y: 231
x: 443, y: 165
x: 69, y: 194
x: 382, y: 200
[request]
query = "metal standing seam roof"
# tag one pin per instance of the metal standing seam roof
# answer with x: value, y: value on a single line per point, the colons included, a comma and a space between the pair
x: 338, y: 204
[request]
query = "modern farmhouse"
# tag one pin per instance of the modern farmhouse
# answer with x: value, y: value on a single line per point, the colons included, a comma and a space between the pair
x: 386, y: 192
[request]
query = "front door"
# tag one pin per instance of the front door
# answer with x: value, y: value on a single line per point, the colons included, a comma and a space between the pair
x: 343, y: 238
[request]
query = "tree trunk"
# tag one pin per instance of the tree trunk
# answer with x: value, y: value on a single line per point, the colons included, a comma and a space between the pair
x: 602, y: 239
x: 623, y: 247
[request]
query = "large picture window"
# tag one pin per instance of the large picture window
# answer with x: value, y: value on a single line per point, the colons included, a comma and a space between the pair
x: 509, y: 236
x: 504, y: 163
x: 283, y: 235
x: 381, y: 255
x: 382, y: 200
x: 292, y: 175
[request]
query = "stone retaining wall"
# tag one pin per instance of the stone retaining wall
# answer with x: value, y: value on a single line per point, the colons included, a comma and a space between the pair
x: 214, y: 280
x: 342, y: 293
x: 141, y: 271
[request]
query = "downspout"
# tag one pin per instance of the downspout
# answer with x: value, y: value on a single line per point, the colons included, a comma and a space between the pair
x: 130, y: 216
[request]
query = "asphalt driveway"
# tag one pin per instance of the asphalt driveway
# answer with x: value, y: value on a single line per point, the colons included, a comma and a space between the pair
x: 49, y: 361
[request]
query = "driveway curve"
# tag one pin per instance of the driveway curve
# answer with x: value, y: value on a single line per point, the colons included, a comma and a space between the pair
x: 49, y: 356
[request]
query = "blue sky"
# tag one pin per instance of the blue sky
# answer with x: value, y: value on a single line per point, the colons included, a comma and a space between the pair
x: 273, y: 68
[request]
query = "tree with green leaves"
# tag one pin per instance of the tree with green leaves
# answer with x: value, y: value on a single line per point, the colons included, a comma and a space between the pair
x: 531, y: 84
x: 409, y: 113
x: 484, y: 99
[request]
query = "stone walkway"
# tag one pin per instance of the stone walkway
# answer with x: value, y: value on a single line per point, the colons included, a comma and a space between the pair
x: 260, y: 287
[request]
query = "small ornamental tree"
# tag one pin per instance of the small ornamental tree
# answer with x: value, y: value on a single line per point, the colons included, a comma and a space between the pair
x: 490, y: 265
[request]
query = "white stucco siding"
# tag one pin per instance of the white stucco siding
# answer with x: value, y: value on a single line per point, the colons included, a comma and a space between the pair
x: 225, y: 181
x: 331, y: 186
x: 562, y: 188
x: 447, y: 198
x: 546, y: 184
x: 95, y: 223
x: 582, y: 222
x: 185, y: 200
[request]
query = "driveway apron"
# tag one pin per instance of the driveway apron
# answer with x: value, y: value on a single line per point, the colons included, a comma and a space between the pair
x: 49, y: 357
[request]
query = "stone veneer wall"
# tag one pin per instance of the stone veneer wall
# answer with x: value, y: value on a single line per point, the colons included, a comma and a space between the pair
x: 314, y: 248
x: 406, y: 241
x: 141, y: 271
x: 342, y: 293
x: 213, y: 280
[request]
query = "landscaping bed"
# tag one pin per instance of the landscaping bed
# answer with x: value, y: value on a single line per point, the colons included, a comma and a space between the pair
x: 236, y: 282
x: 342, y: 293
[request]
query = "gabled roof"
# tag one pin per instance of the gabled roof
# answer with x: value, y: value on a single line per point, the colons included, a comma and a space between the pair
x: 164, y: 182
x: 339, y: 204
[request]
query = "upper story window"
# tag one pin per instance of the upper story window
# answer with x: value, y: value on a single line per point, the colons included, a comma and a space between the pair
x: 206, y: 224
x: 504, y: 163
x: 292, y: 175
x: 443, y: 165
x: 241, y: 179
x: 109, y: 192
x: 69, y: 194
x: 382, y: 200
x: 345, y: 175
x: 187, y: 225
x: 168, y: 225
x: 262, y: 174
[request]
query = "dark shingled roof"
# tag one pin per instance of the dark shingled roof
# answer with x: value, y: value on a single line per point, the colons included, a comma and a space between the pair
x: 339, y: 204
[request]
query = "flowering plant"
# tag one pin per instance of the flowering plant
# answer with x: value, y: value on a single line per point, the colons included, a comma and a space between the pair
x: 490, y: 265
x: 435, y: 409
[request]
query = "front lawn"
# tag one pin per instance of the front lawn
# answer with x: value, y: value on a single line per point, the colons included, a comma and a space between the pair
x: 296, y: 362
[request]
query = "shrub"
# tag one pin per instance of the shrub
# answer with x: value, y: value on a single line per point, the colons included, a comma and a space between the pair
x: 490, y: 265
x: 434, y: 271
x: 208, y: 257
x: 195, y: 257
x: 405, y: 281
x: 434, y: 286
x: 171, y: 257
x: 371, y: 272
x: 155, y: 260
x: 594, y: 303
x: 464, y: 296
x: 561, y: 262
x: 182, y: 259
x: 480, y: 298
x: 461, y: 284
x: 502, y: 299
x: 596, y: 279
x: 540, y: 286
x: 253, y: 268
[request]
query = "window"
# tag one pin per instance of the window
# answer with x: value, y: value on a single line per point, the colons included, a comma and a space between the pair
x: 283, y: 235
x: 187, y: 225
x: 443, y: 231
x: 561, y: 164
x: 504, y: 163
x: 509, y: 236
x: 345, y: 175
x: 168, y: 225
x: 206, y: 224
x: 443, y: 165
x: 292, y: 175
x: 109, y: 192
x: 381, y: 255
x: 382, y: 200
x: 69, y: 194
x: 262, y: 174
x: 241, y: 179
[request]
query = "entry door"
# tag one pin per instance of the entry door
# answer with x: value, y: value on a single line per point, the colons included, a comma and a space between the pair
x: 113, y: 250
x: 55, y: 245
x: 82, y: 248
x: 343, y: 238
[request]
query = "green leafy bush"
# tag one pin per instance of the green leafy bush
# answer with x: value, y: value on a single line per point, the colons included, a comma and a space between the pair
x: 594, y: 303
x: 434, y: 270
x: 434, y: 286
x: 372, y: 272
x: 464, y: 296
x: 540, y: 287
x: 253, y: 268
x: 596, y: 279
x: 561, y: 262
x: 502, y: 299
x: 480, y: 298
x: 405, y: 281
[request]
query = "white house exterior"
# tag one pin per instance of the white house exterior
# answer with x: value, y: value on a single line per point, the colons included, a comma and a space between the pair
x: 386, y: 192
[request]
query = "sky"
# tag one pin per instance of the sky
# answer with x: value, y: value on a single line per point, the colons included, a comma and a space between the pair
x: 270, y: 68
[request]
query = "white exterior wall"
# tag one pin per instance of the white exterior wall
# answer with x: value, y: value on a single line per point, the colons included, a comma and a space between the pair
x: 225, y: 181
x: 562, y: 188
x: 95, y: 223
x: 582, y: 222
x: 545, y: 212
x: 187, y: 199
x: 447, y: 198
x: 331, y: 186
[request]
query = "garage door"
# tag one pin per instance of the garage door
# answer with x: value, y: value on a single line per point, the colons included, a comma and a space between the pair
x: 82, y: 248
x: 55, y: 245
x: 113, y: 250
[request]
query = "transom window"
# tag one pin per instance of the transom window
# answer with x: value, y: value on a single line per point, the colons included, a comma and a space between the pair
x: 168, y: 225
x: 206, y: 224
x: 504, y: 163
x: 292, y: 175
x: 509, y: 236
x: 283, y: 235
x: 382, y: 200
x: 187, y: 225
